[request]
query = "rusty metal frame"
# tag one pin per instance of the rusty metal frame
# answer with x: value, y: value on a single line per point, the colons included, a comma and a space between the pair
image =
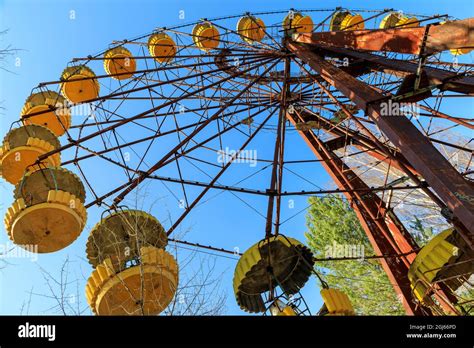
x: 367, y: 61
x: 450, y: 35
x: 445, y: 180
x: 369, y: 209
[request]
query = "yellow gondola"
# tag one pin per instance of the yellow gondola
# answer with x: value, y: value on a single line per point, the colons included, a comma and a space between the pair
x: 446, y: 257
x: 336, y: 303
x: 345, y: 20
x: 279, y: 309
x: 119, y: 235
x: 35, y: 111
x: 298, y: 22
x: 143, y: 289
x: 48, y: 210
x: 162, y: 47
x: 398, y: 20
x: 206, y: 36
x: 133, y: 273
x: 251, y: 29
x: 460, y: 51
x: 87, y: 87
x: 291, y: 263
x: 21, y: 148
x: 119, y: 63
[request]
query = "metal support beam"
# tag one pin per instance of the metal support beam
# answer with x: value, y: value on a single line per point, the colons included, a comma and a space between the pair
x: 277, y: 167
x: 358, y: 140
x: 445, y: 180
x: 217, y: 176
x: 451, y: 35
x: 135, y: 182
x: 386, y: 234
x: 338, y: 143
x: 365, y: 61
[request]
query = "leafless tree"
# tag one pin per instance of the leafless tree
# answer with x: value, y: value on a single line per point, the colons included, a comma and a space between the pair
x: 6, y: 51
x: 63, y: 294
x: 410, y: 204
x: 199, y: 290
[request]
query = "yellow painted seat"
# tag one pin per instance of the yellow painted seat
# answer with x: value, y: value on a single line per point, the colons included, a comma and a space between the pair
x: 146, y: 288
x: 21, y: 148
x: 280, y: 309
x: 79, y: 84
x: 162, y: 47
x: 118, y: 236
x: 58, y: 121
x: 460, y: 51
x: 344, y: 20
x: 445, y: 256
x: 120, y: 61
x: 408, y: 22
x: 298, y: 22
x: 206, y: 36
x: 48, y: 211
x: 336, y: 302
x: 133, y: 273
x: 291, y: 263
x: 251, y: 29
x: 398, y: 20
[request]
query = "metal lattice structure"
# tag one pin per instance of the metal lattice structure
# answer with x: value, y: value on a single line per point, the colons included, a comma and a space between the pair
x: 367, y: 93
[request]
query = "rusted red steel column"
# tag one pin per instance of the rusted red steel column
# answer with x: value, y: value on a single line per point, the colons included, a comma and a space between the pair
x: 368, y: 61
x: 445, y: 297
x: 360, y: 141
x: 384, y: 231
x: 444, y: 179
x: 451, y: 35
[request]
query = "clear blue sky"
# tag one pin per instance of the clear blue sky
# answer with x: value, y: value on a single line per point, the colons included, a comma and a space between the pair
x: 49, y: 38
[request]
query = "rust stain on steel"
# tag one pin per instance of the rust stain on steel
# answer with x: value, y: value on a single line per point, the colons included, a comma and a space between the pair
x: 444, y: 179
x: 441, y: 37
x: 386, y: 234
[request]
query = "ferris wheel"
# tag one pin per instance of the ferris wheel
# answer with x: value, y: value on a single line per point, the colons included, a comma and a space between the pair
x: 349, y: 83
